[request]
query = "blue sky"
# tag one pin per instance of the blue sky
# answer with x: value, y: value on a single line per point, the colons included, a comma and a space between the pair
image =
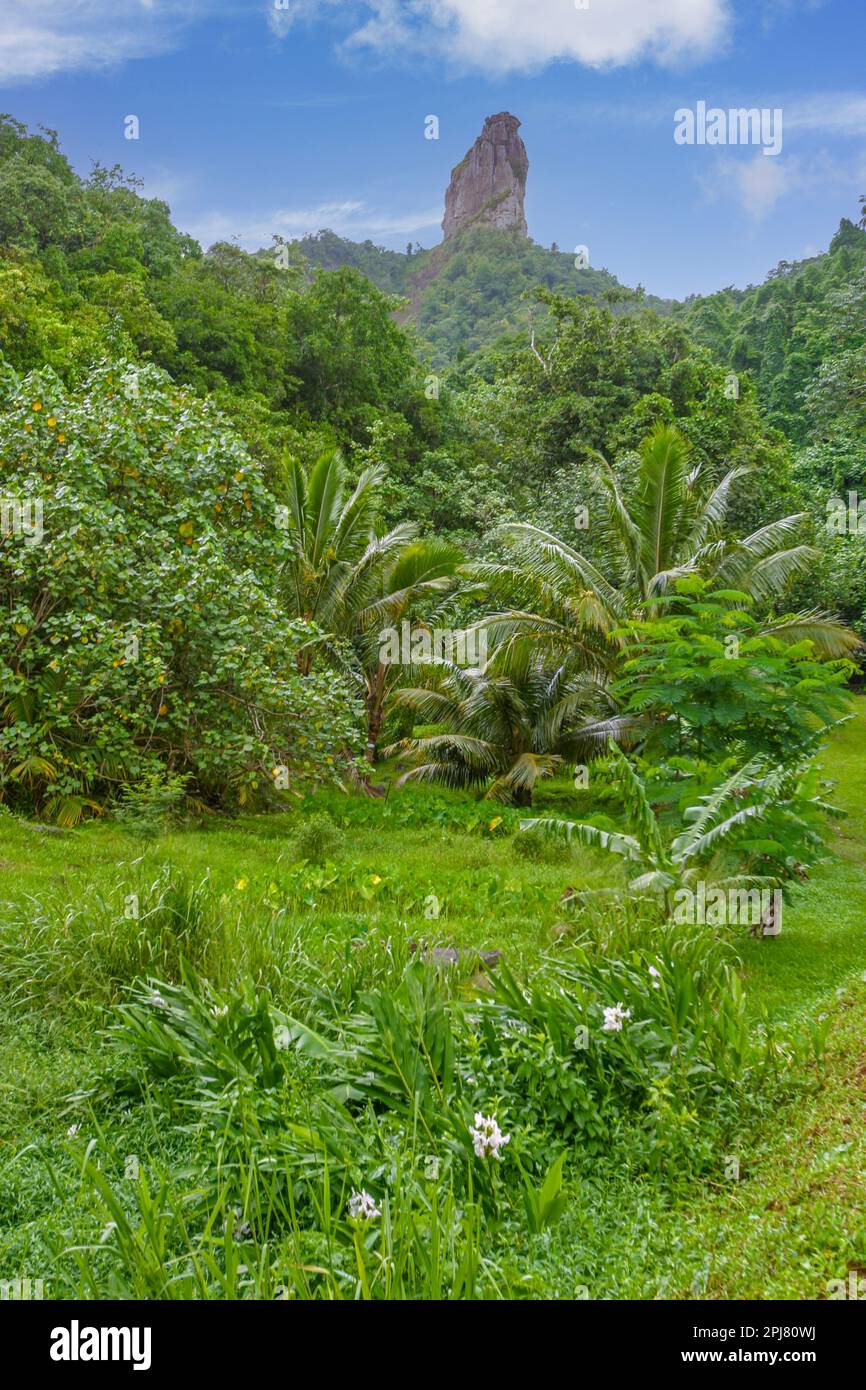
x: 257, y: 119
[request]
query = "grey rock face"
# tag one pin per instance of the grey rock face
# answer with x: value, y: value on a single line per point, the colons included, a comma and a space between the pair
x: 489, y: 184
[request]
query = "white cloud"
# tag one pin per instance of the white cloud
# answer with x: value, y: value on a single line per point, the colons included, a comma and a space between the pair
x: 758, y: 185
x: 41, y: 37
x: 350, y: 218
x: 502, y: 36
x: 283, y: 15
x: 830, y: 113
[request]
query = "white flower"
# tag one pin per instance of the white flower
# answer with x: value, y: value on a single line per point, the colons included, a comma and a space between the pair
x: 72, y: 1131
x: 220, y: 1010
x: 614, y: 1018
x: 362, y: 1207
x: 282, y: 1038
x: 487, y: 1137
x: 656, y: 976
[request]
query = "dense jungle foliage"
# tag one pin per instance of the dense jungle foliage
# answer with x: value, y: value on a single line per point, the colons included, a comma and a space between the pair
x: 333, y: 968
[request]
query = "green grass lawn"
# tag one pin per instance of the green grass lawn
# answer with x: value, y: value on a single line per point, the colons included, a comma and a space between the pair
x: 823, y: 944
x: 412, y: 869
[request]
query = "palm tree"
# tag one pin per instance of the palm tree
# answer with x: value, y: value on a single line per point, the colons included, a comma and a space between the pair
x: 421, y: 569
x: 673, y: 527
x: 351, y: 581
x: 500, y: 732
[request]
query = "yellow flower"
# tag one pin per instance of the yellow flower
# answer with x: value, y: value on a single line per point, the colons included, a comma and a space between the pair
x: 61, y: 439
x: 163, y: 709
x: 375, y: 879
x: 37, y: 405
x: 241, y: 884
x: 51, y: 421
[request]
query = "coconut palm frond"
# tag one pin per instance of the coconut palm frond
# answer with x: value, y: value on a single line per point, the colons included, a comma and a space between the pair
x: 638, y: 805
x: 546, y: 557
x: 712, y: 812
x: 653, y: 881
x: 523, y: 774
x: 770, y: 576
x: 831, y: 638
x: 620, y: 520
x: 659, y: 508
x: 741, y: 556
x: 356, y: 521
x: 713, y: 510
x: 324, y: 494
x: 711, y: 840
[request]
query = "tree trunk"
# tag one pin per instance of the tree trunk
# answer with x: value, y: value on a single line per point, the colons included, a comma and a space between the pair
x: 375, y: 714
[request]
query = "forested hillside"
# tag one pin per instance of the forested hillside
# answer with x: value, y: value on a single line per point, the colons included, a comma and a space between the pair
x: 468, y: 292
x: 510, y: 369
x: 800, y: 335
x: 801, y: 339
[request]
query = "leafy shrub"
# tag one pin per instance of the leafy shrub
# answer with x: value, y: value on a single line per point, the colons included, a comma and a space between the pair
x: 368, y: 1078
x: 146, y: 807
x: 590, y: 1049
x: 142, y: 631
x: 318, y: 839
x: 707, y: 679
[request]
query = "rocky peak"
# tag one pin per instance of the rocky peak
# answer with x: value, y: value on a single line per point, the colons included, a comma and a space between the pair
x: 489, y: 184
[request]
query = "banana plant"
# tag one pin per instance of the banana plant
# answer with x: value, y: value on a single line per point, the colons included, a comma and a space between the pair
x: 659, y: 866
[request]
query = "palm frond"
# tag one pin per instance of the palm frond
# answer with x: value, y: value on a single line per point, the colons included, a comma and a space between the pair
x: 713, y: 509
x: 522, y: 775
x: 831, y: 638
x: 658, y: 510
x: 324, y: 494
